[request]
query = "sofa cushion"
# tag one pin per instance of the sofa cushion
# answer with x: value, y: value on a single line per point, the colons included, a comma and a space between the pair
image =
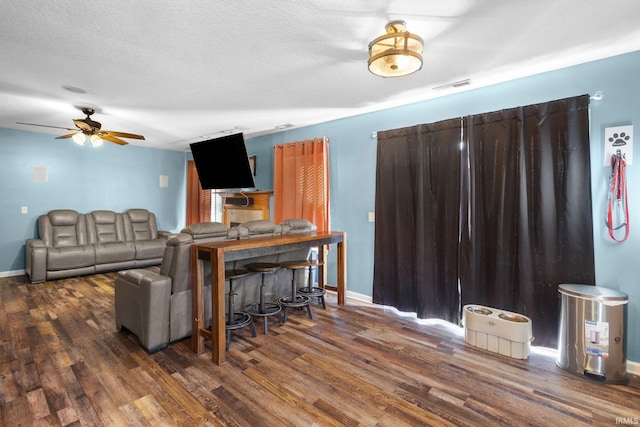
x: 210, y: 231
x: 64, y: 236
x: 258, y: 228
x: 149, y: 249
x: 176, y: 262
x: 70, y: 257
x: 140, y: 228
x: 62, y: 228
x: 62, y: 217
x: 106, y: 234
x: 105, y: 227
x: 142, y: 225
x: 107, y: 253
x: 297, y: 225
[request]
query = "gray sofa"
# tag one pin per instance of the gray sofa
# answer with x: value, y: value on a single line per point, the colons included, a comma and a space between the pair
x: 156, y: 307
x: 73, y: 244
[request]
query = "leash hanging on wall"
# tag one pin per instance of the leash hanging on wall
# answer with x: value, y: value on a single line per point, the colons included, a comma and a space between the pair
x: 618, y: 154
x: 617, y: 199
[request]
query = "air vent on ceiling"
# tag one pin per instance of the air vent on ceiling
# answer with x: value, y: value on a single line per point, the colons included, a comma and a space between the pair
x: 234, y: 130
x: 284, y: 126
x: 459, y: 83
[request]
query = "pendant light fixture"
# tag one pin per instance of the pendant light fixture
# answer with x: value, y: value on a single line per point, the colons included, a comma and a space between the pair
x: 397, y: 53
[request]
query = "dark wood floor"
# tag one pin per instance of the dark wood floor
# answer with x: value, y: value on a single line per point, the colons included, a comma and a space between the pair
x: 63, y: 363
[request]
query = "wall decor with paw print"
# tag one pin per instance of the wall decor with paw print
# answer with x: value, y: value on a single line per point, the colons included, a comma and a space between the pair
x: 618, y: 138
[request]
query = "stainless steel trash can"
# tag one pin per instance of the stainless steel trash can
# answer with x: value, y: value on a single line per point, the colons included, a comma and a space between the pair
x: 591, y: 339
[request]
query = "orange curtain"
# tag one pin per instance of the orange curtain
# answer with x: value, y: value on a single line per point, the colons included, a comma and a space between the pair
x: 198, y: 200
x: 301, y: 182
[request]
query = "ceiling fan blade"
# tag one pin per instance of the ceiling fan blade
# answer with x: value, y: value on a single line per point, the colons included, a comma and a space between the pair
x: 69, y: 135
x: 44, y: 126
x: 113, y: 139
x: 122, y: 134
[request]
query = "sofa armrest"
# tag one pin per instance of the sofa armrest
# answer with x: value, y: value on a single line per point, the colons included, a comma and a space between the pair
x: 36, y: 260
x: 164, y: 234
x: 142, y: 305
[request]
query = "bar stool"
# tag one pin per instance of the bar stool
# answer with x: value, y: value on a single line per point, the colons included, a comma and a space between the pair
x: 310, y: 290
x: 240, y: 319
x: 263, y: 309
x: 294, y: 300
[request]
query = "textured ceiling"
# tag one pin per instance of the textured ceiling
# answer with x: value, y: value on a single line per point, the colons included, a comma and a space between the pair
x: 179, y: 71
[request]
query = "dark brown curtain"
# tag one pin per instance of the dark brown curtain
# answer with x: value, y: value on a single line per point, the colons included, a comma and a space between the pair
x: 198, y: 200
x: 524, y: 223
x: 530, y: 223
x: 416, y: 252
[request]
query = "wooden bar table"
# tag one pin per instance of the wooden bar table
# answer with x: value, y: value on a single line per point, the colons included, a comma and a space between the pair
x: 217, y: 253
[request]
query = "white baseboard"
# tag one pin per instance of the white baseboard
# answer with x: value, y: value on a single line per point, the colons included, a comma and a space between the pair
x: 633, y: 368
x: 355, y: 296
x: 12, y: 273
x: 359, y: 297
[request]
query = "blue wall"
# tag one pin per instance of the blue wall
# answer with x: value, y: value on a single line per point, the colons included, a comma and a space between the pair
x: 118, y: 178
x: 82, y: 178
x: 353, y: 155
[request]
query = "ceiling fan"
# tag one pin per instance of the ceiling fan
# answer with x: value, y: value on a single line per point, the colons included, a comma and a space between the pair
x: 87, y: 128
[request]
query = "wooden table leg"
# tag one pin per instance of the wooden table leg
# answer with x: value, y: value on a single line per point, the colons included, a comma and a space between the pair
x: 342, y: 270
x: 197, y: 302
x: 321, y: 270
x: 218, y: 334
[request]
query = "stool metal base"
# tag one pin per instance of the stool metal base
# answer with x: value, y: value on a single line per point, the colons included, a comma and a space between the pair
x: 299, y: 301
x: 314, y: 292
x: 240, y: 320
x: 268, y: 309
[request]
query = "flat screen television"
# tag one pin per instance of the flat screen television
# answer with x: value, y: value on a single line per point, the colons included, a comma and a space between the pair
x: 222, y: 163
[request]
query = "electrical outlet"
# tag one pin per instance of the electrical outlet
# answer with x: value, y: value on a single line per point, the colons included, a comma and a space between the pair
x: 24, y: 210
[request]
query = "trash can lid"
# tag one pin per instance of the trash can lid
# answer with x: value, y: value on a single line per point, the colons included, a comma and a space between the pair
x: 593, y: 292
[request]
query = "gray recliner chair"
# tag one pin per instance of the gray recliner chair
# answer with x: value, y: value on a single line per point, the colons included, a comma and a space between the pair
x: 141, y: 228
x: 157, y: 307
x: 63, y: 249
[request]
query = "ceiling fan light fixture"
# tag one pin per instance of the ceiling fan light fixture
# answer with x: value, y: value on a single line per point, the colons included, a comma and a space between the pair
x: 95, y: 140
x: 88, y: 129
x: 79, y: 138
x: 397, y: 53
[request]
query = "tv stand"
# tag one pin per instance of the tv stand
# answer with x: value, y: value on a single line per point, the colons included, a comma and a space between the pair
x: 246, y: 206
